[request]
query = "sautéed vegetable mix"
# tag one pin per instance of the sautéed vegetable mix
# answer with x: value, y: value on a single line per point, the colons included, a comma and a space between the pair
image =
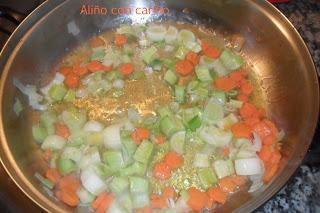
x: 152, y: 118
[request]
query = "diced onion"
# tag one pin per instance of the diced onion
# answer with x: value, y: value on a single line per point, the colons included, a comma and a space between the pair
x: 171, y: 35
x: 201, y: 160
x: 92, y: 182
x: 256, y: 183
x: 257, y: 145
x: 82, y: 92
x: 182, y: 206
x: 93, y: 126
x: 156, y: 32
x: 72, y: 153
x: 119, y: 84
x: 249, y: 166
x: 85, y: 196
x: 111, y: 136
x: 53, y: 142
x: 91, y: 157
x: 215, y: 136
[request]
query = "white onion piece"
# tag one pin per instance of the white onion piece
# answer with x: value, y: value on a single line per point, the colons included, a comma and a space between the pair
x: 186, y: 36
x: 91, y: 157
x: 256, y: 183
x: 168, y: 48
x: 114, y: 208
x: 111, y: 136
x: 156, y: 32
x: 257, y: 144
x: 82, y: 92
x: 281, y: 135
x: 171, y: 35
x: 85, y: 196
x: 215, y: 136
x: 249, y: 166
x: 134, y: 115
x: 148, y: 70
x: 72, y: 153
x: 201, y: 160
x: 119, y: 84
x: 92, y: 182
x: 92, y: 126
x: 53, y: 142
x: 182, y: 206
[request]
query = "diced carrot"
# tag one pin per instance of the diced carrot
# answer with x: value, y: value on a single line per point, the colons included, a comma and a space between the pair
x: 212, y: 52
x: 161, y: 171
x: 217, y: 195
x: 35, y: 116
x: 146, y: 209
x: 169, y: 192
x: 95, y: 66
x: 80, y: 70
x: 62, y: 130
x: 265, y: 153
x: 238, y: 76
x: 226, y: 151
x: 158, y: 202
x: 105, y: 204
x: 251, y: 121
x: 238, y: 180
x: 209, y: 203
x: 262, y: 129
x: 184, y: 67
x: 269, y: 140
x: 120, y: 39
x: 246, y: 88
x: 95, y: 204
x: 173, y: 160
x: 242, y: 97
x: 193, y: 57
x: 183, y: 80
x: 160, y: 139
x: 126, y: 69
x: 197, y: 199
x: 270, y: 171
x: 47, y: 154
x: 276, y: 157
x: 65, y: 70
x: 224, y: 83
x: 68, y: 196
x: 69, y: 182
x: 248, y: 110
x: 96, y: 42
x: 241, y: 130
x: 72, y: 81
x: 140, y: 134
x: 53, y: 175
x: 204, y: 45
x: 227, y: 185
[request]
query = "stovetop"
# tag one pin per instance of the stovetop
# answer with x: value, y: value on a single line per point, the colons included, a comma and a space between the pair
x: 302, y: 191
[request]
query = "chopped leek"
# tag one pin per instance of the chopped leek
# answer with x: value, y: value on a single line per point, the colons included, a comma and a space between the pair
x: 57, y: 92
x: 47, y: 119
x: 194, y: 123
x: 167, y: 126
x: 98, y: 54
x: 17, y: 106
x: 74, y: 119
x: 94, y: 138
x: 156, y: 32
x: 171, y: 35
x: 215, y: 136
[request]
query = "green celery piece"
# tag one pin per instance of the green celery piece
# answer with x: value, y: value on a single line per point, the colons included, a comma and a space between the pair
x: 169, y: 63
x: 181, y: 52
x: 98, y: 54
x: 164, y: 111
x: 143, y: 152
x: 140, y: 200
x: 138, y: 185
x: 138, y: 75
x: 179, y: 93
x: 66, y: 166
x: 57, y: 92
x: 168, y: 126
x: 47, y: 119
x: 177, y: 142
x: 126, y: 202
x: 170, y: 77
x: 104, y: 170
x: 134, y: 169
x: 149, y: 54
x: 75, y: 119
x: 219, y: 96
x: 194, y: 123
x: 114, y: 159
x: 39, y: 133
x: 70, y: 96
x: 223, y: 168
x: 119, y: 184
x: 232, y: 94
x: 77, y: 138
x: 129, y: 145
x: 46, y: 182
x: 230, y: 60
x: 203, y: 73
x: 213, y: 112
x: 207, y: 177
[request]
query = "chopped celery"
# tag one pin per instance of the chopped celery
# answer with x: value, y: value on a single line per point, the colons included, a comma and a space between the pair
x: 129, y: 145
x: 174, y: 107
x: 47, y: 119
x: 194, y: 123
x: 213, y: 112
x: 201, y: 160
x: 71, y: 153
x: 74, y: 119
x: 192, y: 86
x: 144, y: 152
x: 114, y: 159
x: 98, y: 54
x: 46, y: 182
x: 140, y: 200
x: 126, y: 202
x: 235, y: 103
x: 218, y: 97
x: 119, y: 185
x: 207, y: 177
x: 149, y: 54
x: 70, y: 96
x: 103, y: 170
x: 128, y: 50
x: 134, y: 169
x: 181, y: 52
x: 17, y: 106
x: 186, y: 36
x: 185, y: 195
x: 110, y: 76
x: 164, y: 111
x: 39, y: 133
x: 167, y: 126
x: 66, y: 166
x: 77, y: 138
x: 57, y: 92
x: 207, y: 62
x: 231, y: 60
x: 189, y: 113
x: 125, y: 59
x: 138, y: 185
x: 232, y: 93
x: 219, y: 68
x: 94, y: 138
x: 170, y: 77
x: 169, y: 63
x: 223, y: 168
x: 203, y: 73
x: 177, y: 142
x: 138, y: 75
x: 179, y: 93
x: 227, y: 121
